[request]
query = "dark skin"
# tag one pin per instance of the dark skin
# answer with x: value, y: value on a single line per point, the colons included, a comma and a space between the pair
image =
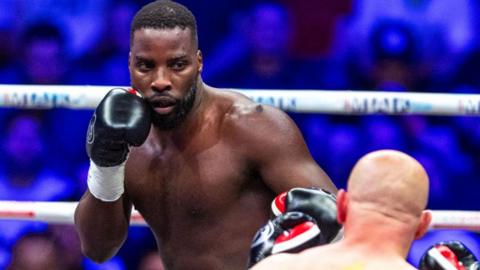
x: 204, y: 187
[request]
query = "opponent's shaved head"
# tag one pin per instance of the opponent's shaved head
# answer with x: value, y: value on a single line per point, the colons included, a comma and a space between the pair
x: 390, y: 181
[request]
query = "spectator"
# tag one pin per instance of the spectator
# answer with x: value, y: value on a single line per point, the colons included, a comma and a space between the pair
x: 9, y: 71
x: 45, y: 59
x: 80, y: 20
x: 443, y: 30
x: 314, y: 25
x: 344, y: 149
x: 34, y: 252
x: 106, y: 63
x: 382, y: 132
x: 265, y: 63
x: 26, y: 175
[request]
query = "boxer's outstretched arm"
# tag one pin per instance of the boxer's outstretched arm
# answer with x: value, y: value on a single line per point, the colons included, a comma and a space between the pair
x: 102, y: 226
x: 285, y: 165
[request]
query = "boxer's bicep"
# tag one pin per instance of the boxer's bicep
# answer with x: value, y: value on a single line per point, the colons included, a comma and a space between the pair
x: 282, y: 157
x: 287, y: 170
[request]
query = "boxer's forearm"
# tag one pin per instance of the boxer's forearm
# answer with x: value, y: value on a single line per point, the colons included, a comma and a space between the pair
x: 101, y: 226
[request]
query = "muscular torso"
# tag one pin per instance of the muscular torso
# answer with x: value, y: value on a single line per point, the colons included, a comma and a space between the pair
x: 200, y: 194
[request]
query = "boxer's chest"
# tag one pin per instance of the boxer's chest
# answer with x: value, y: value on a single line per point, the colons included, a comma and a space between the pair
x: 188, y: 184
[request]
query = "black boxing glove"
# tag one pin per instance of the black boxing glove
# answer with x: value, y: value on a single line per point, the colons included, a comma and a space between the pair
x: 122, y: 119
x: 291, y: 232
x: 449, y: 255
x: 317, y: 203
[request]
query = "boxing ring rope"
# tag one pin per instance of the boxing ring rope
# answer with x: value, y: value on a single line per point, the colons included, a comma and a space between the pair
x: 307, y: 101
x: 50, y: 212
x: 62, y: 213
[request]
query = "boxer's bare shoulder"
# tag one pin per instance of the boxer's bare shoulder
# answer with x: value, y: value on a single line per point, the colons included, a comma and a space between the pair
x: 241, y: 115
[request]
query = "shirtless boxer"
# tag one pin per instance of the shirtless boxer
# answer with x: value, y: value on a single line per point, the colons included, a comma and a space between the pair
x: 382, y: 213
x: 201, y: 165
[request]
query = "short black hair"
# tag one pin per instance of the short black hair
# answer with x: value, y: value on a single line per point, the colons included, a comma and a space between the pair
x: 164, y: 14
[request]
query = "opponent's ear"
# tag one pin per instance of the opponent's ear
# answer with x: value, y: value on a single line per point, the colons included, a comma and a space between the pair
x: 200, y: 61
x: 425, y: 220
x: 342, y: 205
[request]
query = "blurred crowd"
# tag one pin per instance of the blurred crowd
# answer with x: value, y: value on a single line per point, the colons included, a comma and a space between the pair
x: 390, y: 45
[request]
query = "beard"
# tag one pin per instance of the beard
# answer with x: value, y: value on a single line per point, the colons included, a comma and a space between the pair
x: 179, y: 112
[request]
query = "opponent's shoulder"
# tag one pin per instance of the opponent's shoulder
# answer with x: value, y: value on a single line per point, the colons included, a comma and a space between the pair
x: 398, y: 263
x: 278, y: 261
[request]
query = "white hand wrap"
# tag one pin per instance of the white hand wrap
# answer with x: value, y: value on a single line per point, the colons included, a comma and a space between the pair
x: 106, y: 183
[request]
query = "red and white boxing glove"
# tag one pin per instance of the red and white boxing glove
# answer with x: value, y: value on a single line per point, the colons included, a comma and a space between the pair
x: 452, y: 255
x: 291, y: 232
x: 320, y: 204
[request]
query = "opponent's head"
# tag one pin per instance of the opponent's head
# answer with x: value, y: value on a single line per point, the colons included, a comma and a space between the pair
x: 164, y: 62
x: 391, y: 183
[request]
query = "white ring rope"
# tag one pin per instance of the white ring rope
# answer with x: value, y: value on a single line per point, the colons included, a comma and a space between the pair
x: 62, y: 213
x: 50, y: 212
x: 309, y: 101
